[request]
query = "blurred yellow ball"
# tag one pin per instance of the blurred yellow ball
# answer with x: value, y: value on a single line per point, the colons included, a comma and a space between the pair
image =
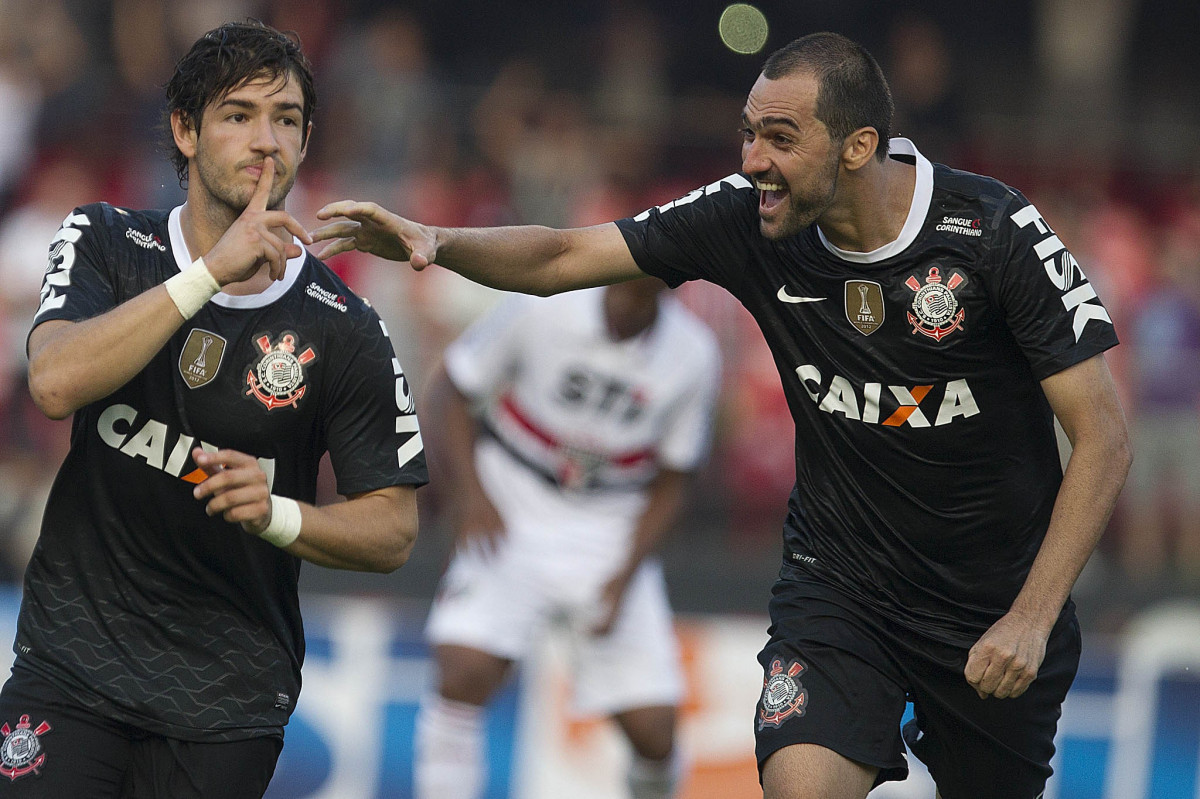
x: 743, y: 28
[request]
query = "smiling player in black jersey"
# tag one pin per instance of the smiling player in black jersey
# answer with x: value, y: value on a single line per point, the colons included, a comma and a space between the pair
x: 209, y: 362
x: 928, y: 326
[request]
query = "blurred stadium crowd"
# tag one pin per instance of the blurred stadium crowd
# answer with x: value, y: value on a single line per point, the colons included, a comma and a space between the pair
x: 476, y: 113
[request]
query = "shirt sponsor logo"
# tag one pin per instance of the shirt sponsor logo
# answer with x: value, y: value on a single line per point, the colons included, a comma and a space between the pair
x: 321, y: 294
x: 962, y: 225
x: 406, y: 416
x: 120, y: 427
x: 277, y: 380
x: 866, y: 403
x: 733, y: 181
x: 935, y: 310
x: 145, y: 240
x: 864, y: 305
x: 62, y: 259
x: 201, y: 357
x: 1064, y: 272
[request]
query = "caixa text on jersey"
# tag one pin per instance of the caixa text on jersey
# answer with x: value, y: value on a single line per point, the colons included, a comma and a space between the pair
x: 903, y: 403
x: 120, y: 428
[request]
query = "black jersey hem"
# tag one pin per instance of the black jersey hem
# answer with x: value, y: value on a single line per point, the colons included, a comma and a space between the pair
x: 94, y: 702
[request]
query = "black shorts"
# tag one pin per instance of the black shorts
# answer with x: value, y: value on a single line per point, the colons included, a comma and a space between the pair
x: 838, y: 675
x: 52, y: 748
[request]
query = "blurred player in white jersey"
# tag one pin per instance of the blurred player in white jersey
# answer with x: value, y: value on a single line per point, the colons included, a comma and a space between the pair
x: 568, y: 428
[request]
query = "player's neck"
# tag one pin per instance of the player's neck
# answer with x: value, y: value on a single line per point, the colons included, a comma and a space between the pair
x: 872, y: 206
x: 624, y: 326
x: 202, y: 228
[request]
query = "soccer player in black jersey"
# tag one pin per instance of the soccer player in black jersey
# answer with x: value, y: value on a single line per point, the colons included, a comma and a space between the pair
x: 928, y: 326
x: 209, y: 362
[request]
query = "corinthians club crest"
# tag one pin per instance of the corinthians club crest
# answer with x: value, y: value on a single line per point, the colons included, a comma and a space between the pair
x: 935, y: 310
x: 278, y: 379
x: 783, y: 695
x: 21, y: 752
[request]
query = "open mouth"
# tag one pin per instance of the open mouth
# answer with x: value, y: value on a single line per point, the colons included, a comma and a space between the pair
x: 770, y: 195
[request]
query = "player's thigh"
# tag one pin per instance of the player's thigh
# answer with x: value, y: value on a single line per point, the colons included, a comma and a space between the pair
x: 167, y: 768
x: 828, y: 682
x: 993, y: 748
x: 636, y: 664
x: 493, y: 603
x: 809, y: 771
x: 52, y: 748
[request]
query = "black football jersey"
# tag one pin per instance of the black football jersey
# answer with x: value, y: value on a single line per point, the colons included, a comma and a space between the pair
x: 926, y: 458
x: 135, y: 601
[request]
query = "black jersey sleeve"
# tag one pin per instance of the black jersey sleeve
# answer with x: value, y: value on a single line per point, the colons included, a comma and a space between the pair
x: 79, y: 282
x: 1050, y: 306
x: 371, y: 421
x: 707, y: 234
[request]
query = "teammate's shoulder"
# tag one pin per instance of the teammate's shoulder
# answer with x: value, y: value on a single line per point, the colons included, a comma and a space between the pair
x: 736, y: 190
x: 320, y: 283
x: 115, y: 225
x: 117, y: 216
x: 992, y: 196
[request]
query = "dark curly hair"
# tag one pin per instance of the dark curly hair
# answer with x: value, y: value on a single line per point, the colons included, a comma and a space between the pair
x: 225, y: 59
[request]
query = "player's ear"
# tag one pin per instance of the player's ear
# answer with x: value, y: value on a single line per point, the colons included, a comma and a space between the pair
x: 184, y: 132
x: 304, y: 142
x: 859, y: 148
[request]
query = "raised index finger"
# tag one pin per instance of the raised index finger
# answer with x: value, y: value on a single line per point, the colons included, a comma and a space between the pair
x: 262, y: 191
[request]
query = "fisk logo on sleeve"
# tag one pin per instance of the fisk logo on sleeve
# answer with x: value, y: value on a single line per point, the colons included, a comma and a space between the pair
x: 1064, y: 272
x: 62, y: 258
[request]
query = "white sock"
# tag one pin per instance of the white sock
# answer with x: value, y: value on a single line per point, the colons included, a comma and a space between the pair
x: 448, y: 758
x: 655, y: 779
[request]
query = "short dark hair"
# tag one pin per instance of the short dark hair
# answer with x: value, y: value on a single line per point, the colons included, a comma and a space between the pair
x: 852, y: 91
x: 225, y: 59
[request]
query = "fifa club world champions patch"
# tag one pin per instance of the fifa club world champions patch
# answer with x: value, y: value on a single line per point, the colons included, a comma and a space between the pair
x: 783, y: 695
x: 21, y: 753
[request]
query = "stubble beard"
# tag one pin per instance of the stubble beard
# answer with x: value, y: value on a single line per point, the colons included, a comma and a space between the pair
x: 232, y: 199
x: 806, y: 208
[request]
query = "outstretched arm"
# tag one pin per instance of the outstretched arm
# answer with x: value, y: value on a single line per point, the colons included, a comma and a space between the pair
x: 1005, y: 661
x: 372, y: 531
x: 527, y: 258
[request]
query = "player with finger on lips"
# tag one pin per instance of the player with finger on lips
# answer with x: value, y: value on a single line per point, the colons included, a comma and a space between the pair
x: 209, y: 363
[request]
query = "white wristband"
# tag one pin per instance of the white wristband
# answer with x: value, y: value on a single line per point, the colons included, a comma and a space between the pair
x: 285, y: 522
x: 192, y: 288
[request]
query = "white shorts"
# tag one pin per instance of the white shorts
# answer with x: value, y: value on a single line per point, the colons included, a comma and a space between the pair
x: 503, y: 603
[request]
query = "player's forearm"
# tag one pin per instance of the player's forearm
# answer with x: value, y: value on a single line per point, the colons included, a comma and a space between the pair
x: 1094, y: 477
x: 664, y: 503
x: 74, y: 363
x: 537, y: 260
x: 371, y: 532
x: 451, y: 432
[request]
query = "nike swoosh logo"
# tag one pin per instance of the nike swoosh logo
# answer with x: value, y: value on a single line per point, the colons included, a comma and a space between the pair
x: 785, y: 297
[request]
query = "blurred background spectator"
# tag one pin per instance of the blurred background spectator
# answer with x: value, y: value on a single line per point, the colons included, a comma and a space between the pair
x: 1161, y: 539
x: 479, y: 113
